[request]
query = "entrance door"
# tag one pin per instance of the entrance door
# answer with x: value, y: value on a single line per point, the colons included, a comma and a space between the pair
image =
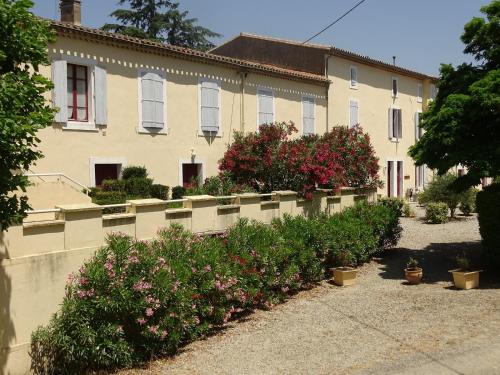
x: 395, y: 178
x: 106, y: 172
x: 400, y: 179
x: 191, y: 173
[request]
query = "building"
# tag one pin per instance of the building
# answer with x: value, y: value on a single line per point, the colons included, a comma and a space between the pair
x: 384, y: 99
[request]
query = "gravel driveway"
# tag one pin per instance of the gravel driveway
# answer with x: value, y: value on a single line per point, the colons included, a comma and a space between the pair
x: 379, y: 326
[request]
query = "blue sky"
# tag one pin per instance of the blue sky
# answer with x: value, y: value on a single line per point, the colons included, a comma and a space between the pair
x: 422, y: 34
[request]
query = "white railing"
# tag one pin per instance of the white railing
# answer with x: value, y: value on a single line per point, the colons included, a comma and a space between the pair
x: 59, y: 175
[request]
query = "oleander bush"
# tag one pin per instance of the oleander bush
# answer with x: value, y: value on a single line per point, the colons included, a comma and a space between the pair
x: 137, y: 300
x: 488, y: 209
x: 436, y: 213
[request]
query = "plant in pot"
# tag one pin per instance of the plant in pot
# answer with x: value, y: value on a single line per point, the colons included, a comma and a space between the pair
x: 464, y: 277
x: 345, y: 274
x: 413, y: 273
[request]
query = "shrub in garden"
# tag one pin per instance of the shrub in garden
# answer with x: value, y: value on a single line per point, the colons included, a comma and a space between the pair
x: 468, y: 201
x: 222, y: 185
x: 159, y: 191
x: 436, y: 213
x: 109, y: 197
x: 138, y: 187
x: 408, y: 210
x: 395, y: 203
x: 135, y: 300
x: 134, y: 171
x: 178, y: 192
x: 488, y: 209
x: 113, y: 185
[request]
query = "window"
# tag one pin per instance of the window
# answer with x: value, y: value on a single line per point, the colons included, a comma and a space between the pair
x: 394, y: 87
x: 433, y: 92
x: 265, y: 107
x: 191, y: 174
x: 78, y: 93
x: 152, y: 102
x: 105, y: 172
x: 308, y: 115
x: 420, y: 92
x: 353, y: 113
x: 209, y: 106
x: 418, y: 130
x: 395, y: 178
x: 395, y: 123
x: 421, y: 176
x: 353, y: 77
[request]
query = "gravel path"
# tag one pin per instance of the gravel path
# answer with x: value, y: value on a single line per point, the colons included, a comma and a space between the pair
x: 379, y: 326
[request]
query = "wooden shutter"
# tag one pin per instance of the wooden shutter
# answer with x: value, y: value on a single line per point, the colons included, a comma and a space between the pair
x: 60, y: 92
x: 391, y: 125
x: 308, y: 115
x: 209, y: 106
x: 152, y: 100
x: 400, y: 124
x: 100, y: 89
x: 353, y: 113
x: 417, y: 126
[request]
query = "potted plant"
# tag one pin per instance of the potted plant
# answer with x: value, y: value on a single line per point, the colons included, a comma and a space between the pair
x: 413, y: 273
x: 345, y: 274
x: 464, y: 277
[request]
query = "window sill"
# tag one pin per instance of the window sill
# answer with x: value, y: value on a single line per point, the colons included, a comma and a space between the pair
x: 395, y: 140
x: 354, y: 87
x: 419, y: 100
x: 210, y: 135
x: 85, y: 126
x: 152, y: 132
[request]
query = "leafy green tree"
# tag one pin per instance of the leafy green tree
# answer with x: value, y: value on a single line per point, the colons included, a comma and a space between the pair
x: 23, y: 108
x: 146, y: 20
x: 462, y: 125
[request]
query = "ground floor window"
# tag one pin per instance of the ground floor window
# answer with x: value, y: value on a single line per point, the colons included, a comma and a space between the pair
x: 191, y: 173
x: 420, y: 176
x: 105, y: 172
x: 394, y: 178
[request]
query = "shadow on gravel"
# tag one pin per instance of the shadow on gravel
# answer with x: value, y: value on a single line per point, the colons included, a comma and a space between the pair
x: 436, y: 260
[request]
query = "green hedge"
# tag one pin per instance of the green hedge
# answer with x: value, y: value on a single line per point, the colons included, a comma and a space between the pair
x: 159, y: 191
x: 134, y: 171
x: 488, y: 209
x: 436, y: 213
x: 137, y: 299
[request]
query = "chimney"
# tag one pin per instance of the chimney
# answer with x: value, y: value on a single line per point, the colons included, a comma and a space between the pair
x: 71, y: 11
x: 394, y: 60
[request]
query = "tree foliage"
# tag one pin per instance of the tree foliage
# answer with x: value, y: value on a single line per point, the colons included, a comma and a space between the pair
x: 146, y: 20
x: 23, y: 109
x: 462, y: 125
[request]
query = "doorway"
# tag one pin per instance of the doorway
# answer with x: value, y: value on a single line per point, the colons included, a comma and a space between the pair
x: 192, y: 173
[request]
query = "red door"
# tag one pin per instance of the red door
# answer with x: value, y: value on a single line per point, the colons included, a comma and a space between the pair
x: 105, y: 172
x: 400, y: 179
x: 390, y: 178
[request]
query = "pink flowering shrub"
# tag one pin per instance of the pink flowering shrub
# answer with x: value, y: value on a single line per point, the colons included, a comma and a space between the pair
x: 135, y: 300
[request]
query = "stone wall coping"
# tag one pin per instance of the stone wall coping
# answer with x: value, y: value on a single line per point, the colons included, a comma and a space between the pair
x: 285, y: 192
x: 79, y: 207
x: 174, y: 211
x: 147, y: 202
x: 118, y: 216
x: 200, y: 198
x: 248, y: 195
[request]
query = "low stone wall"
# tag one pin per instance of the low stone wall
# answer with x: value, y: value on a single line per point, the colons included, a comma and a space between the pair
x: 37, y: 256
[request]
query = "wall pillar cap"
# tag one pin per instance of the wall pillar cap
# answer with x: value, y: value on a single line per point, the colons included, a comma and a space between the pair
x: 200, y: 198
x: 285, y: 192
x: 146, y: 202
x: 79, y: 207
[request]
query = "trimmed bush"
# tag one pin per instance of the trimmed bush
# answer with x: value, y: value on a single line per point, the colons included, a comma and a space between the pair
x: 138, y: 187
x: 134, y: 172
x: 109, y: 197
x: 135, y: 300
x: 468, y: 201
x: 178, y: 192
x: 113, y: 185
x: 395, y: 203
x: 159, y: 191
x: 488, y: 209
x: 436, y: 213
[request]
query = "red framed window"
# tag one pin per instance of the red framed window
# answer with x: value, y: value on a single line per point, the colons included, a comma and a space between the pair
x: 78, y: 96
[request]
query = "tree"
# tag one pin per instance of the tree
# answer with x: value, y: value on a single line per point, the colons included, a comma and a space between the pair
x: 462, y: 125
x: 23, y: 108
x: 145, y: 20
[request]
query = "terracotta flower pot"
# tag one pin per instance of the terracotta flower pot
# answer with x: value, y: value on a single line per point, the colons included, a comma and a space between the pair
x: 344, y: 276
x: 466, y: 279
x: 413, y: 275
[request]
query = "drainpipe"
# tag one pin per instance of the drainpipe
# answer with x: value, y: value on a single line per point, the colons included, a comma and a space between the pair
x: 327, y: 57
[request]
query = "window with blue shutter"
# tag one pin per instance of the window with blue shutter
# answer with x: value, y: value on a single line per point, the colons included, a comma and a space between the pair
x: 265, y: 102
x: 308, y: 115
x: 210, y: 106
x: 152, y: 101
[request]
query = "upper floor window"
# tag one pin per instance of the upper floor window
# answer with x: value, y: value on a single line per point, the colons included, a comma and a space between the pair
x: 308, y: 115
x: 209, y: 106
x: 78, y: 93
x: 433, y: 92
x: 418, y: 130
x: 152, y: 101
x: 265, y: 106
x: 420, y: 92
x: 353, y: 73
x: 394, y: 87
x: 353, y: 113
x: 395, y: 123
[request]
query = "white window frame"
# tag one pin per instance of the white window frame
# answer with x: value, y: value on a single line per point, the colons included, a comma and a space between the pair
x: 420, y: 92
x: 303, y: 99
x: 420, y: 176
x: 355, y: 86
x: 349, y: 111
x: 140, y: 128
x: 220, y: 133
x: 191, y: 161
x: 104, y: 160
x: 395, y: 161
x: 391, y: 125
x: 259, y: 89
x: 417, y: 128
x: 397, y: 87
x: 89, y: 125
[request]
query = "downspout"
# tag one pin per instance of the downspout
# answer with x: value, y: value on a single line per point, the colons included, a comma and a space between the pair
x: 327, y: 93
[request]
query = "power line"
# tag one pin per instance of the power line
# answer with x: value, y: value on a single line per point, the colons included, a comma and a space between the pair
x: 334, y: 22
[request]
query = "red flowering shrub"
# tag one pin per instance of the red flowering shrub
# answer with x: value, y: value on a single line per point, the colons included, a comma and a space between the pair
x: 268, y: 160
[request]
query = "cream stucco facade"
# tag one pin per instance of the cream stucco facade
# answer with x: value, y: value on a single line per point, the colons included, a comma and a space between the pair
x: 74, y: 148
